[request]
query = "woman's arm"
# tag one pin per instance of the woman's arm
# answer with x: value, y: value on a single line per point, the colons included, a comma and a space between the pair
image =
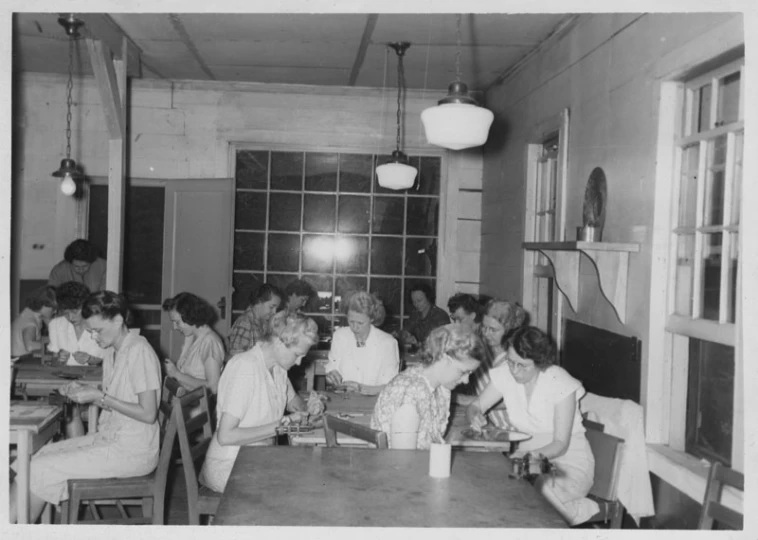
x: 145, y: 410
x: 563, y: 423
x: 475, y: 411
x: 230, y: 434
x: 404, y: 428
x: 212, y: 375
x: 31, y: 341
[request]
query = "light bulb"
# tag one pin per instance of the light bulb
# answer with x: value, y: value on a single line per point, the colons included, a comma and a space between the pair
x: 68, y: 186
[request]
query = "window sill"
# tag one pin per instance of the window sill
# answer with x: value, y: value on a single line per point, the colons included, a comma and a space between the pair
x: 687, y: 474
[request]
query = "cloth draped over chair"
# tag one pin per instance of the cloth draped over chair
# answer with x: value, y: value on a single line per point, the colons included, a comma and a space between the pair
x: 623, y: 418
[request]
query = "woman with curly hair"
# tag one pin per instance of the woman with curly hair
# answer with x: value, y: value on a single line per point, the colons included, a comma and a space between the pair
x: 362, y: 357
x: 68, y: 337
x: 202, y: 353
x: 414, y: 408
x: 81, y: 262
x: 26, y: 329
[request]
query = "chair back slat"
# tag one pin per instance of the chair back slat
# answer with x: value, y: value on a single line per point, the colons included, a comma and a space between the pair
x: 713, y: 509
x: 334, y: 425
x: 606, y: 449
x: 197, y: 423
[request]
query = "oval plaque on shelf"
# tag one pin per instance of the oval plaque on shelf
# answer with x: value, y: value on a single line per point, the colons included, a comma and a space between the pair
x: 595, y: 198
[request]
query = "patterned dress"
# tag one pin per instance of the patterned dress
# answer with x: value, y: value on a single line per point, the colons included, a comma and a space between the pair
x: 432, y: 405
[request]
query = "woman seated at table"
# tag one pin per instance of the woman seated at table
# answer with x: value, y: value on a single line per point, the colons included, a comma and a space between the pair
x: 27, y: 327
x: 69, y: 339
x: 465, y: 310
x: 202, y: 355
x: 254, y: 392
x: 126, y: 443
x: 362, y: 358
x: 413, y: 409
x: 424, y: 318
x: 541, y: 399
x: 81, y: 262
x: 253, y: 324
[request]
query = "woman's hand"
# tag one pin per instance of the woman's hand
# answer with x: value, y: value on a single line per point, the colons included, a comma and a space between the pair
x: 315, y: 406
x: 478, y: 421
x: 297, y: 417
x: 334, y: 378
x: 351, y: 386
x: 171, y: 370
x: 63, y: 356
x: 81, y: 357
x: 85, y: 394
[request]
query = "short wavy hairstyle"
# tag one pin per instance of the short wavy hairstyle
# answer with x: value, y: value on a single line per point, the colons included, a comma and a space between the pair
x: 367, y: 304
x: 299, y: 287
x: 454, y: 340
x: 40, y: 298
x: 289, y: 327
x: 510, y: 314
x: 71, y: 295
x: 191, y: 308
x: 264, y: 293
x: 81, y: 250
x: 424, y: 288
x: 107, y: 304
x: 466, y: 301
x: 531, y: 343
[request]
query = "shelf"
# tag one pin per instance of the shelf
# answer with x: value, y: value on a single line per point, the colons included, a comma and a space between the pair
x: 610, y: 260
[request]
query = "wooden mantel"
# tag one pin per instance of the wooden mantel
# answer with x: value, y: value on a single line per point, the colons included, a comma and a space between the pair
x: 610, y: 260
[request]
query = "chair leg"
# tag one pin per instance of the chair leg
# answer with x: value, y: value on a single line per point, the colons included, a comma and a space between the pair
x: 147, y: 507
x: 64, y: 513
x: 47, y: 514
x: 617, y: 515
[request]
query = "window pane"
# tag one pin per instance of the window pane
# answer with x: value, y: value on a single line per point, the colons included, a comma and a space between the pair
x: 354, y: 214
x: 344, y: 286
x: 244, y: 286
x: 737, y: 188
x: 420, y: 257
x: 710, y: 293
x: 248, y: 250
x: 351, y: 253
x: 356, y: 172
x: 710, y: 400
x: 713, y: 209
x: 318, y: 253
x: 321, y: 172
x: 703, y: 102
x: 734, y: 255
x: 422, y: 216
x: 287, y: 170
x: 389, y: 213
x: 386, y: 255
x: 389, y: 290
x: 285, y: 212
x: 688, y: 186
x: 323, y: 285
x: 283, y: 252
x: 429, y: 175
x: 729, y: 98
x: 252, y: 169
x: 319, y: 213
x: 250, y: 210
x: 685, y: 267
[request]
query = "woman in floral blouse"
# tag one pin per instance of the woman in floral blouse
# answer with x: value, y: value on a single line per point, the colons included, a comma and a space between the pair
x: 413, y: 409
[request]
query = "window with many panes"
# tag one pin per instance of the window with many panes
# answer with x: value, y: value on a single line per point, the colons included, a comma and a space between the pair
x: 704, y: 256
x: 322, y: 217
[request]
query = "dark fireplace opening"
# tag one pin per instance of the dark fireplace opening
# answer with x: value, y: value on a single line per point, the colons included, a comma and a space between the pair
x: 608, y: 364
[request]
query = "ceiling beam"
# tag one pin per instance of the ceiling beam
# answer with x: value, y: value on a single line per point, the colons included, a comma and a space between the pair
x: 102, y: 27
x: 368, y: 31
x: 176, y: 22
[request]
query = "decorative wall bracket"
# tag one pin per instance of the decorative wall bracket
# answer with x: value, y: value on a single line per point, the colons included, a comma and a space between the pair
x: 610, y: 260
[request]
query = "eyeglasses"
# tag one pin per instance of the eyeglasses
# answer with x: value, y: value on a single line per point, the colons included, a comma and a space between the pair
x: 493, y: 329
x: 518, y: 367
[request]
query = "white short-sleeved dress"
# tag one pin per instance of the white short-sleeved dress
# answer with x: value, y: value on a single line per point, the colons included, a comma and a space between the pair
x: 247, y: 390
x: 577, y: 465
x: 373, y: 364
x: 63, y: 337
x: 196, y: 350
x: 122, y: 447
x: 26, y: 319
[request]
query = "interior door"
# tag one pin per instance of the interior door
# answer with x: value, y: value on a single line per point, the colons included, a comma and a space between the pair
x: 197, y: 254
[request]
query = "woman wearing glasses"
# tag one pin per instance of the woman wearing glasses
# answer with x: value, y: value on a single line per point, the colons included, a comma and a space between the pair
x: 541, y: 399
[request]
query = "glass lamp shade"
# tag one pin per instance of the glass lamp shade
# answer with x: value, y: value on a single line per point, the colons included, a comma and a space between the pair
x: 457, y: 125
x: 396, y: 175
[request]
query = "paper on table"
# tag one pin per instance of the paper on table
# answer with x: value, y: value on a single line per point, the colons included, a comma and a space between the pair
x: 29, y: 412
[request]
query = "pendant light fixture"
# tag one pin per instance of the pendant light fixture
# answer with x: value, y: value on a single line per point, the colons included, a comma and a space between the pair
x: 397, y: 174
x: 69, y: 171
x: 457, y: 122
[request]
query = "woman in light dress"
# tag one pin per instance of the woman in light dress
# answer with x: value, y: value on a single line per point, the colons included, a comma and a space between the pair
x: 414, y: 408
x: 69, y: 339
x: 254, y: 393
x: 26, y: 329
x: 202, y: 356
x: 126, y: 443
x: 541, y: 399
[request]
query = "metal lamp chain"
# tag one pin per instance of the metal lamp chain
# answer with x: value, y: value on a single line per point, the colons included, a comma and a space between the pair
x: 399, y: 90
x: 68, y: 100
x: 458, y: 52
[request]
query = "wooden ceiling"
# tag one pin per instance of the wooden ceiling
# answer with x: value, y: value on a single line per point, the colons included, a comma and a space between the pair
x: 314, y: 49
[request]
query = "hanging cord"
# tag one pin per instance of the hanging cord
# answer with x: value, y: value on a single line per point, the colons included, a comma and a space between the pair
x: 400, y: 85
x: 458, y: 52
x: 384, y: 104
x: 69, y: 88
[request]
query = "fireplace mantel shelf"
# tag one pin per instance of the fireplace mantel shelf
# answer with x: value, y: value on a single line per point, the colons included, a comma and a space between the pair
x: 611, y: 262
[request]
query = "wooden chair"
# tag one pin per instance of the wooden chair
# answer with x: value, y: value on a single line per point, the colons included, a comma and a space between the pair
x: 606, y: 450
x: 713, y: 510
x: 194, y: 434
x: 334, y: 425
x: 149, y: 491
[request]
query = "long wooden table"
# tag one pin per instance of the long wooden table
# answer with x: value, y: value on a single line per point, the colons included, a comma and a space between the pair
x: 32, y: 425
x: 31, y: 378
x: 317, y: 486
